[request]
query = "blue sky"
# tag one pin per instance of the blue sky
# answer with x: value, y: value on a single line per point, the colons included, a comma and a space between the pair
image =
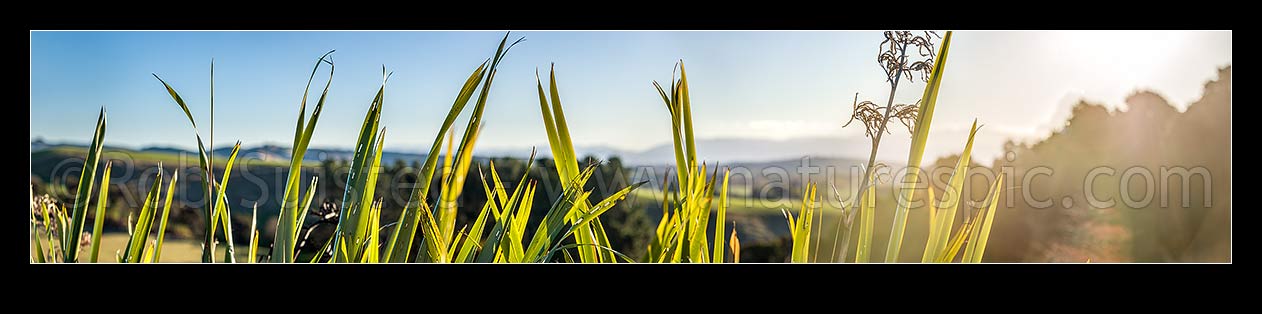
x: 773, y: 85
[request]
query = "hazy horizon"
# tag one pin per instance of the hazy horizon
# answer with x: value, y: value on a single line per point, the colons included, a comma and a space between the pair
x: 745, y: 85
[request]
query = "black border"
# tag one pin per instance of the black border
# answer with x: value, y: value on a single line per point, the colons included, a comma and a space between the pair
x: 1068, y: 279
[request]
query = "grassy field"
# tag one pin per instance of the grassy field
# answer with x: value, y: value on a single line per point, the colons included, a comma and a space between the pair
x: 757, y: 222
x: 738, y: 204
x: 761, y: 221
x: 173, y: 250
x: 155, y: 157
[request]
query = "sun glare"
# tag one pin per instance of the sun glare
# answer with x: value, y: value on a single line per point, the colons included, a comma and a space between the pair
x: 1132, y: 54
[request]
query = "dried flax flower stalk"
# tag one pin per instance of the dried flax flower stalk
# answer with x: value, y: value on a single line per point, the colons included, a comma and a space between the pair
x: 902, y: 54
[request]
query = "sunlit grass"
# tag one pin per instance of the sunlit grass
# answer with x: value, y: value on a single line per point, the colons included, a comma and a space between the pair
x: 173, y: 251
x: 682, y: 234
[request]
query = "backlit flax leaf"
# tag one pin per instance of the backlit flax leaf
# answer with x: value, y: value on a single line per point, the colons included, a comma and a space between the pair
x: 78, y: 217
x: 919, y: 140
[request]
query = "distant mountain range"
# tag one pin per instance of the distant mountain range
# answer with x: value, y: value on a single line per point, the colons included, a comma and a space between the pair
x: 273, y: 152
x: 894, y: 149
x: 264, y: 152
x: 730, y: 151
x: 726, y: 150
